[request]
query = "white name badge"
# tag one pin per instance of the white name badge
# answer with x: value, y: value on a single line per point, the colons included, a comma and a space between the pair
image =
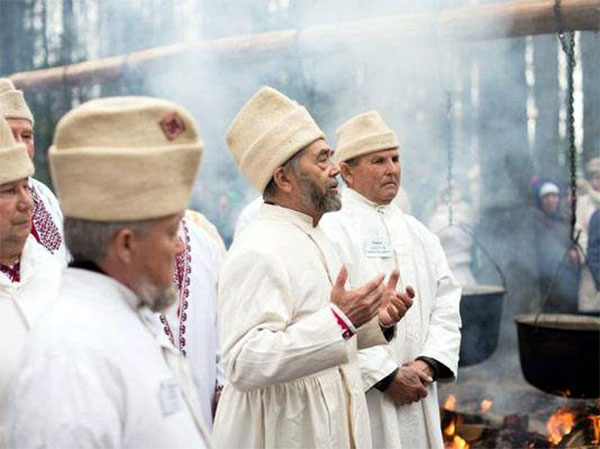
x: 378, y: 247
x: 170, y: 397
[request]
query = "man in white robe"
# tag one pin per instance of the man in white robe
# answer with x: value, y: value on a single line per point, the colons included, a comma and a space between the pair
x: 377, y: 236
x: 29, y: 275
x: 191, y: 322
x: 47, y: 225
x: 98, y: 371
x: 289, y: 327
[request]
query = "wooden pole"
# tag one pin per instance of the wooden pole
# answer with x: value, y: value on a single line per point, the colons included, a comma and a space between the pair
x: 469, y: 23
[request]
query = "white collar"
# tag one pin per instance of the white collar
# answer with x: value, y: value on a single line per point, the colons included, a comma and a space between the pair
x: 303, y: 221
x: 352, y: 198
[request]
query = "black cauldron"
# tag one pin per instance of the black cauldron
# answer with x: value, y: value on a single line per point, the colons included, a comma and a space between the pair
x: 480, y: 311
x: 560, y: 353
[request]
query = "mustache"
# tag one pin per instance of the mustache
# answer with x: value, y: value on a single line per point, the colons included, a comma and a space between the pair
x: 332, y: 183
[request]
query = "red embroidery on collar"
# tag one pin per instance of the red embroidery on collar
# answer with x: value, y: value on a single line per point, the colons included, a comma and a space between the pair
x: 13, y: 273
x: 181, y: 280
x: 172, y: 125
x: 44, y: 229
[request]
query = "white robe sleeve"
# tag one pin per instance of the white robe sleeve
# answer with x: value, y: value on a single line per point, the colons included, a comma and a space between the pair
x: 443, y: 338
x: 370, y: 334
x: 84, y: 393
x: 262, y: 343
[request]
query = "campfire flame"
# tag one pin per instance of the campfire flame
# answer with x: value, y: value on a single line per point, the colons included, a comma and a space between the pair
x: 451, y: 429
x: 596, y: 422
x: 486, y: 405
x: 457, y: 443
x: 560, y: 424
x: 453, y: 441
x: 450, y: 403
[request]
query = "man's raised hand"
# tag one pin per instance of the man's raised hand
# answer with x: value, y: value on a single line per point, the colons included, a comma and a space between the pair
x: 394, y: 305
x: 359, y: 305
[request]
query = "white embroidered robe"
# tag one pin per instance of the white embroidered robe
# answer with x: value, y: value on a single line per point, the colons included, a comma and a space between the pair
x: 195, y: 333
x: 48, y: 221
x: 98, y: 373
x: 21, y: 304
x: 375, y: 239
x: 292, y: 380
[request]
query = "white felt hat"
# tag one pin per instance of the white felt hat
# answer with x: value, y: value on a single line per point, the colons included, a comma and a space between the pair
x: 125, y: 159
x: 268, y: 131
x: 363, y: 134
x: 12, y: 102
x: 14, y: 160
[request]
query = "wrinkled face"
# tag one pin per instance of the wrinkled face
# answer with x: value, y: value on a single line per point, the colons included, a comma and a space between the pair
x: 376, y: 176
x: 595, y: 181
x: 22, y: 130
x: 16, y: 213
x: 550, y: 203
x: 316, y: 184
x: 153, y: 260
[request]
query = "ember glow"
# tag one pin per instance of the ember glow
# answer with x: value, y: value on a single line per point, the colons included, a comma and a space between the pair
x: 450, y: 403
x: 559, y: 425
x: 486, y: 405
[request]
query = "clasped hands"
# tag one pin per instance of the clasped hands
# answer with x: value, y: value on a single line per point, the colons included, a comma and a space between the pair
x: 373, y: 298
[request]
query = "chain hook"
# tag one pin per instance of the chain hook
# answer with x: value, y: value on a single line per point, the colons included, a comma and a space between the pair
x: 567, y: 43
x: 450, y: 155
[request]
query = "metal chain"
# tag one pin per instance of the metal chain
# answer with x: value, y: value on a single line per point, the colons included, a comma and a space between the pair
x: 450, y: 172
x: 567, y: 43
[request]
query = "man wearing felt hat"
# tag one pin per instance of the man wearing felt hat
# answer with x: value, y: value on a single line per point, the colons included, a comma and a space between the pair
x: 99, y: 370
x: 47, y: 226
x: 289, y: 327
x: 376, y: 236
x: 29, y: 275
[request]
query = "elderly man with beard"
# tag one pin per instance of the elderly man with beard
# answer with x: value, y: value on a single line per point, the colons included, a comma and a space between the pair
x: 377, y: 236
x: 99, y: 371
x: 29, y: 275
x: 290, y: 328
x: 47, y: 224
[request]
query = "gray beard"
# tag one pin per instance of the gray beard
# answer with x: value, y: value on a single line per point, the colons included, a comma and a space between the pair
x: 157, y: 299
x: 319, y: 199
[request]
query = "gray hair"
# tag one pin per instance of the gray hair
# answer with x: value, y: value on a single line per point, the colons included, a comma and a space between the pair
x: 89, y: 240
x: 292, y: 165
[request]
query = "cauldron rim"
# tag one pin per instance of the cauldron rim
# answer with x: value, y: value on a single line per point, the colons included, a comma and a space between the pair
x: 560, y: 321
x: 482, y: 290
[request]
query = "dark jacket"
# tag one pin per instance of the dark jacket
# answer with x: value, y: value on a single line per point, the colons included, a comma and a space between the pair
x: 593, y: 249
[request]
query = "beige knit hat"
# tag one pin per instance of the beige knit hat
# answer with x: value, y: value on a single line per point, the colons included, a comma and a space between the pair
x: 12, y: 102
x: 13, y: 157
x: 267, y: 132
x: 363, y: 134
x: 125, y: 159
x: 593, y: 166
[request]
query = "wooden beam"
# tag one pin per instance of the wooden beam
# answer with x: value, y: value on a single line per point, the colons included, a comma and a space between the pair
x: 468, y: 23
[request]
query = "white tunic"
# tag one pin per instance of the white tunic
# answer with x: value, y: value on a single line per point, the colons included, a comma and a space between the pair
x: 48, y: 221
x: 96, y: 373
x: 247, y: 216
x: 21, y: 303
x: 375, y: 239
x: 293, y: 381
x: 196, y: 333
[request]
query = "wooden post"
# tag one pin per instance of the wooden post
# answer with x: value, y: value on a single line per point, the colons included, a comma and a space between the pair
x: 469, y: 23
